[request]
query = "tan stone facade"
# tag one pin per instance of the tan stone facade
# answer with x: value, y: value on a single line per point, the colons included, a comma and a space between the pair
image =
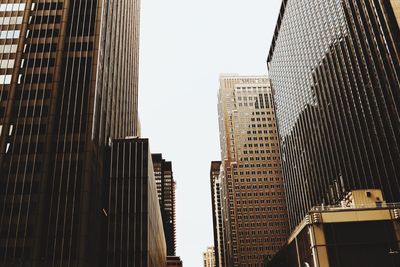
x: 396, y: 9
x: 363, y: 230
x: 209, y: 257
x: 252, y: 186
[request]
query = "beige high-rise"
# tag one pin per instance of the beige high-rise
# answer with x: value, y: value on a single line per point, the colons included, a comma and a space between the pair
x: 209, y: 257
x: 255, y: 216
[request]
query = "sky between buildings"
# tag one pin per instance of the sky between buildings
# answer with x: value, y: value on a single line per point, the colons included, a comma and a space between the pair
x: 185, y: 45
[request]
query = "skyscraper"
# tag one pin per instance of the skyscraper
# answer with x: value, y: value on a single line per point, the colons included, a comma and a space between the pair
x: 254, y: 209
x: 335, y: 74
x: 209, y: 257
x: 216, y: 207
x: 133, y: 233
x: 166, y: 195
x: 68, y: 83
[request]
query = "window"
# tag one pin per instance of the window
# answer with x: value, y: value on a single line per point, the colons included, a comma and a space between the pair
x: 9, y: 34
x: 7, y: 147
x: 7, y: 64
x: 10, y: 20
x: 8, y: 49
x: 52, y: 6
x: 12, y: 7
x: 5, y: 79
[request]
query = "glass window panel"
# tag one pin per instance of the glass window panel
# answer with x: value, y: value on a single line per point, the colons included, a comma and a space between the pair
x: 5, y: 79
x: 10, y: 20
x: 8, y: 49
x: 9, y: 34
x: 12, y: 7
x: 7, y: 64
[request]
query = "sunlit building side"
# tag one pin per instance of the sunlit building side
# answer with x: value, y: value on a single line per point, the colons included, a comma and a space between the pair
x: 209, y: 257
x: 363, y: 230
x: 252, y: 192
x: 335, y: 74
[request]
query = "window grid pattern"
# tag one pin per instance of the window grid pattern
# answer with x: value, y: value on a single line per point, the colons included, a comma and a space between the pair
x: 252, y: 185
x: 166, y: 194
x: 51, y: 138
x: 134, y: 221
x: 335, y: 71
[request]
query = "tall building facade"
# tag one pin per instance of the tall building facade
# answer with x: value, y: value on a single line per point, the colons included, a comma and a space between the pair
x: 68, y: 83
x: 216, y: 205
x: 166, y: 195
x: 134, y: 234
x: 209, y: 257
x: 335, y: 73
x: 255, y: 219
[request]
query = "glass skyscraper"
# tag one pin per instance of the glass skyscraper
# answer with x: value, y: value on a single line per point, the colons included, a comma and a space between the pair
x: 335, y: 74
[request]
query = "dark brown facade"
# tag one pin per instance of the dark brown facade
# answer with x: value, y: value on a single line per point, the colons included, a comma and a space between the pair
x: 135, y: 234
x: 166, y: 194
x: 68, y: 83
x: 174, y: 261
x: 335, y: 73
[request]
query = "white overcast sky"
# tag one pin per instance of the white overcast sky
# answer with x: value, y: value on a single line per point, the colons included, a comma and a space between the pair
x: 185, y: 45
